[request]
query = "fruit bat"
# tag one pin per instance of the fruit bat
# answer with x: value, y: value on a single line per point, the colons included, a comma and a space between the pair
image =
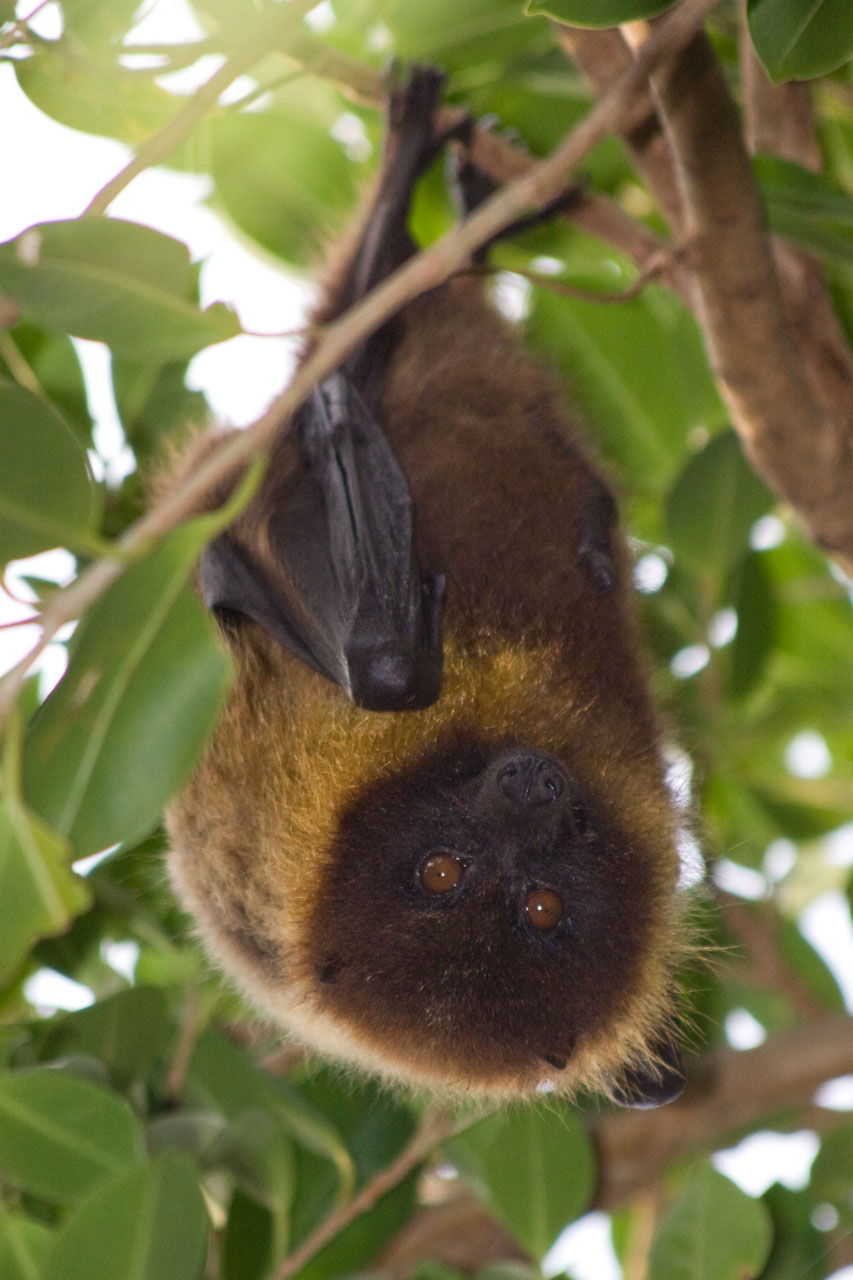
x: 431, y: 835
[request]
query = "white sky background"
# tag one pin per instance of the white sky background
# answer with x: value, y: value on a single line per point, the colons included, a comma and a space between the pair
x: 53, y: 172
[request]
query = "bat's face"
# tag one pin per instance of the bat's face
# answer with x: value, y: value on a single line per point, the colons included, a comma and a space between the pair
x: 478, y: 921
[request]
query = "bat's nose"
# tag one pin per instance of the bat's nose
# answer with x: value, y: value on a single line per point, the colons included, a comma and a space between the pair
x: 530, y: 781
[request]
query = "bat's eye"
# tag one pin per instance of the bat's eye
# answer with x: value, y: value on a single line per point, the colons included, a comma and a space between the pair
x: 440, y: 872
x: 544, y: 909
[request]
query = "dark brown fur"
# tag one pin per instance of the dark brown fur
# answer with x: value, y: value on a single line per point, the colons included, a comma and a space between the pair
x: 296, y: 843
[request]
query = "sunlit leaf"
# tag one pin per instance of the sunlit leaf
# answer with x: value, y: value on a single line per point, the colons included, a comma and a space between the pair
x: 94, y: 97
x: 115, y: 282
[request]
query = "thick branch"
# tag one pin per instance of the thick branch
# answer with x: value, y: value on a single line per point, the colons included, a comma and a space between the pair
x: 601, y: 56
x: 730, y: 1093
x: 780, y: 121
x: 804, y: 450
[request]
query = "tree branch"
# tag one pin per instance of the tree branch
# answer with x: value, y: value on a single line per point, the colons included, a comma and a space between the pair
x: 729, y: 1093
x: 543, y: 182
x: 802, y: 445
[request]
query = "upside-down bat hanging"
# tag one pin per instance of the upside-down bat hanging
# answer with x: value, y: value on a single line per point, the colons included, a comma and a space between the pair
x: 440, y: 848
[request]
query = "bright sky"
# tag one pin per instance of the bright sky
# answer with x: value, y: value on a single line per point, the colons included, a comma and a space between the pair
x: 52, y: 172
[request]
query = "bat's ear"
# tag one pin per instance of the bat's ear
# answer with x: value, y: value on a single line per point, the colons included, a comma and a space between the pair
x: 659, y: 1081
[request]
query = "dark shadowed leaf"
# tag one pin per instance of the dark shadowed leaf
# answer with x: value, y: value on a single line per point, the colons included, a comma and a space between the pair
x: 831, y: 1179
x: 799, y: 1249
x: 714, y: 1231
x: 534, y: 1168
x: 120, y: 733
x: 713, y: 505
x: 149, y: 1224
x: 47, y: 496
x: 60, y: 1135
x: 807, y: 208
x: 755, y: 605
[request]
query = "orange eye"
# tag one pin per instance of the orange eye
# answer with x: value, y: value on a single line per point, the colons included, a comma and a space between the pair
x: 544, y: 909
x: 440, y: 873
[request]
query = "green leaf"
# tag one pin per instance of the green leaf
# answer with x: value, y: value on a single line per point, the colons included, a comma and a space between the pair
x: 713, y: 505
x: 459, y: 37
x: 24, y: 1245
x: 47, y: 497
x: 95, y: 23
x: 247, y: 1242
x: 798, y: 1247
x: 714, y: 1231
x: 56, y: 366
x: 225, y: 1078
x: 807, y: 208
x: 121, y: 732
x: 60, y: 1136
x: 796, y: 40
x: 39, y: 893
x: 115, y: 282
x: 128, y: 1032
x: 830, y: 1177
x: 636, y: 370
x: 757, y: 626
x: 98, y: 98
x: 155, y: 405
x: 597, y: 13
x: 256, y: 1149
x: 282, y: 178
x: 365, y: 1238
x: 149, y: 1224
x: 534, y: 1168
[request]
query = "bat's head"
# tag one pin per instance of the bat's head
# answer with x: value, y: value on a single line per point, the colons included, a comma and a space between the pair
x: 482, y: 922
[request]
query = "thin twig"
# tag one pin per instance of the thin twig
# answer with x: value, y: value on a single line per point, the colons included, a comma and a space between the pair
x: 162, y: 143
x: 436, y: 1125
x: 19, y: 27
x: 551, y: 284
x: 543, y: 182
